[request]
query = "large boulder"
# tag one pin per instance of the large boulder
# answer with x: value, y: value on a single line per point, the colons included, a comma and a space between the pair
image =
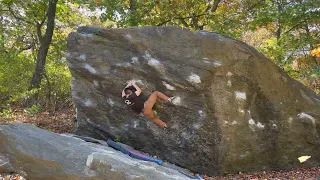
x: 235, y: 109
x: 38, y: 154
x: 5, y: 165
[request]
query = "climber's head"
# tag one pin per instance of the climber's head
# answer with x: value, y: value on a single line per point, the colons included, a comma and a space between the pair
x: 127, y: 91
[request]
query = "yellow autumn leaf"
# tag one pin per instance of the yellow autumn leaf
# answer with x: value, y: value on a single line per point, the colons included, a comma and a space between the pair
x: 315, y: 52
x: 303, y: 158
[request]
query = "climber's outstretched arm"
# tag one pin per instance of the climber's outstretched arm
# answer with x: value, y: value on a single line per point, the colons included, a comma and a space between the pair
x: 129, y: 84
x: 123, y: 94
x: 138, y: 92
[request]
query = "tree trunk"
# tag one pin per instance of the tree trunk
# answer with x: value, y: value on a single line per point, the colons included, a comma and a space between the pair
x: 215, y: 5
x: 43, y: 49
x: 278, y: 33
x: 133, y: 11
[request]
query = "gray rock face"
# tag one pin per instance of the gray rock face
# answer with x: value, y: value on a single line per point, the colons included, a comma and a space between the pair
x: 5, y: 165
x: 235, y: 109
x: 40, y: 154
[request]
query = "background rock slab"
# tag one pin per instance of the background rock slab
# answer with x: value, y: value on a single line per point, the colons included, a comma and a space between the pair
x: 39, y: 154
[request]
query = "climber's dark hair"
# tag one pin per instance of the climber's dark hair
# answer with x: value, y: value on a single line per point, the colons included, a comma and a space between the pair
x: 126, y: 90
x: 131, y: 88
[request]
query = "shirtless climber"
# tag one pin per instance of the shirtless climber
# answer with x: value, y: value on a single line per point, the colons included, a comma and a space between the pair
x: 132, y: 98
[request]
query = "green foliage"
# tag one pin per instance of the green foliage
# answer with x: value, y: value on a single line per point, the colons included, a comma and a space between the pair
x: 60, y: 83
x: 285, y: 31
x: 193, y: 14
x: 19, y: 38
x: 117, y: 139
x: 7, y: 113
x: 34, y: 110
x: 14, y: 72
x: 294, y: 26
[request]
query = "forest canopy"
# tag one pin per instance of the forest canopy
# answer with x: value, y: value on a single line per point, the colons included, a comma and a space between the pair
x: 33, y: 70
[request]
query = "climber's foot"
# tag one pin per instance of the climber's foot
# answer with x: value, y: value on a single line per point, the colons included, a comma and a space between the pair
x: 171, y: 99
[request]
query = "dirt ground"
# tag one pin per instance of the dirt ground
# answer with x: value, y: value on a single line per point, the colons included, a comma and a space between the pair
x: 63, y: 122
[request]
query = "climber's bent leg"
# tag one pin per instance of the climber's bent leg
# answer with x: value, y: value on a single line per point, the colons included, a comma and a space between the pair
x: 149, y: 114
x: 148, y: 105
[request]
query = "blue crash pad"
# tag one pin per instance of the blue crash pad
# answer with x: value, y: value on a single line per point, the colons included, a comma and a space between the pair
x: 138, y: 155
x: 131, y: 152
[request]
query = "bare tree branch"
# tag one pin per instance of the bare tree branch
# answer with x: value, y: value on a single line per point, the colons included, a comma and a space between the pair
x: 215, y: 5
x: 132, y: 5
x: 18, y: 17
x: 296, y: 25
x: 194, y: 18
x: 44, y: 19
x: 292, y: 53
x: 45, y: 12
x: 209, y: 6
x: 34, y: 13
x: 39, y: 33
x: 184, y: 22
x: 175, y: 18
x: 30, y: 46
x: 195, y: 21
x: 49, y: 86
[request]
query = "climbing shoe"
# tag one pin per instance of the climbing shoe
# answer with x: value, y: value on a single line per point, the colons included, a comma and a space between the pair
x: 171, y: 99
